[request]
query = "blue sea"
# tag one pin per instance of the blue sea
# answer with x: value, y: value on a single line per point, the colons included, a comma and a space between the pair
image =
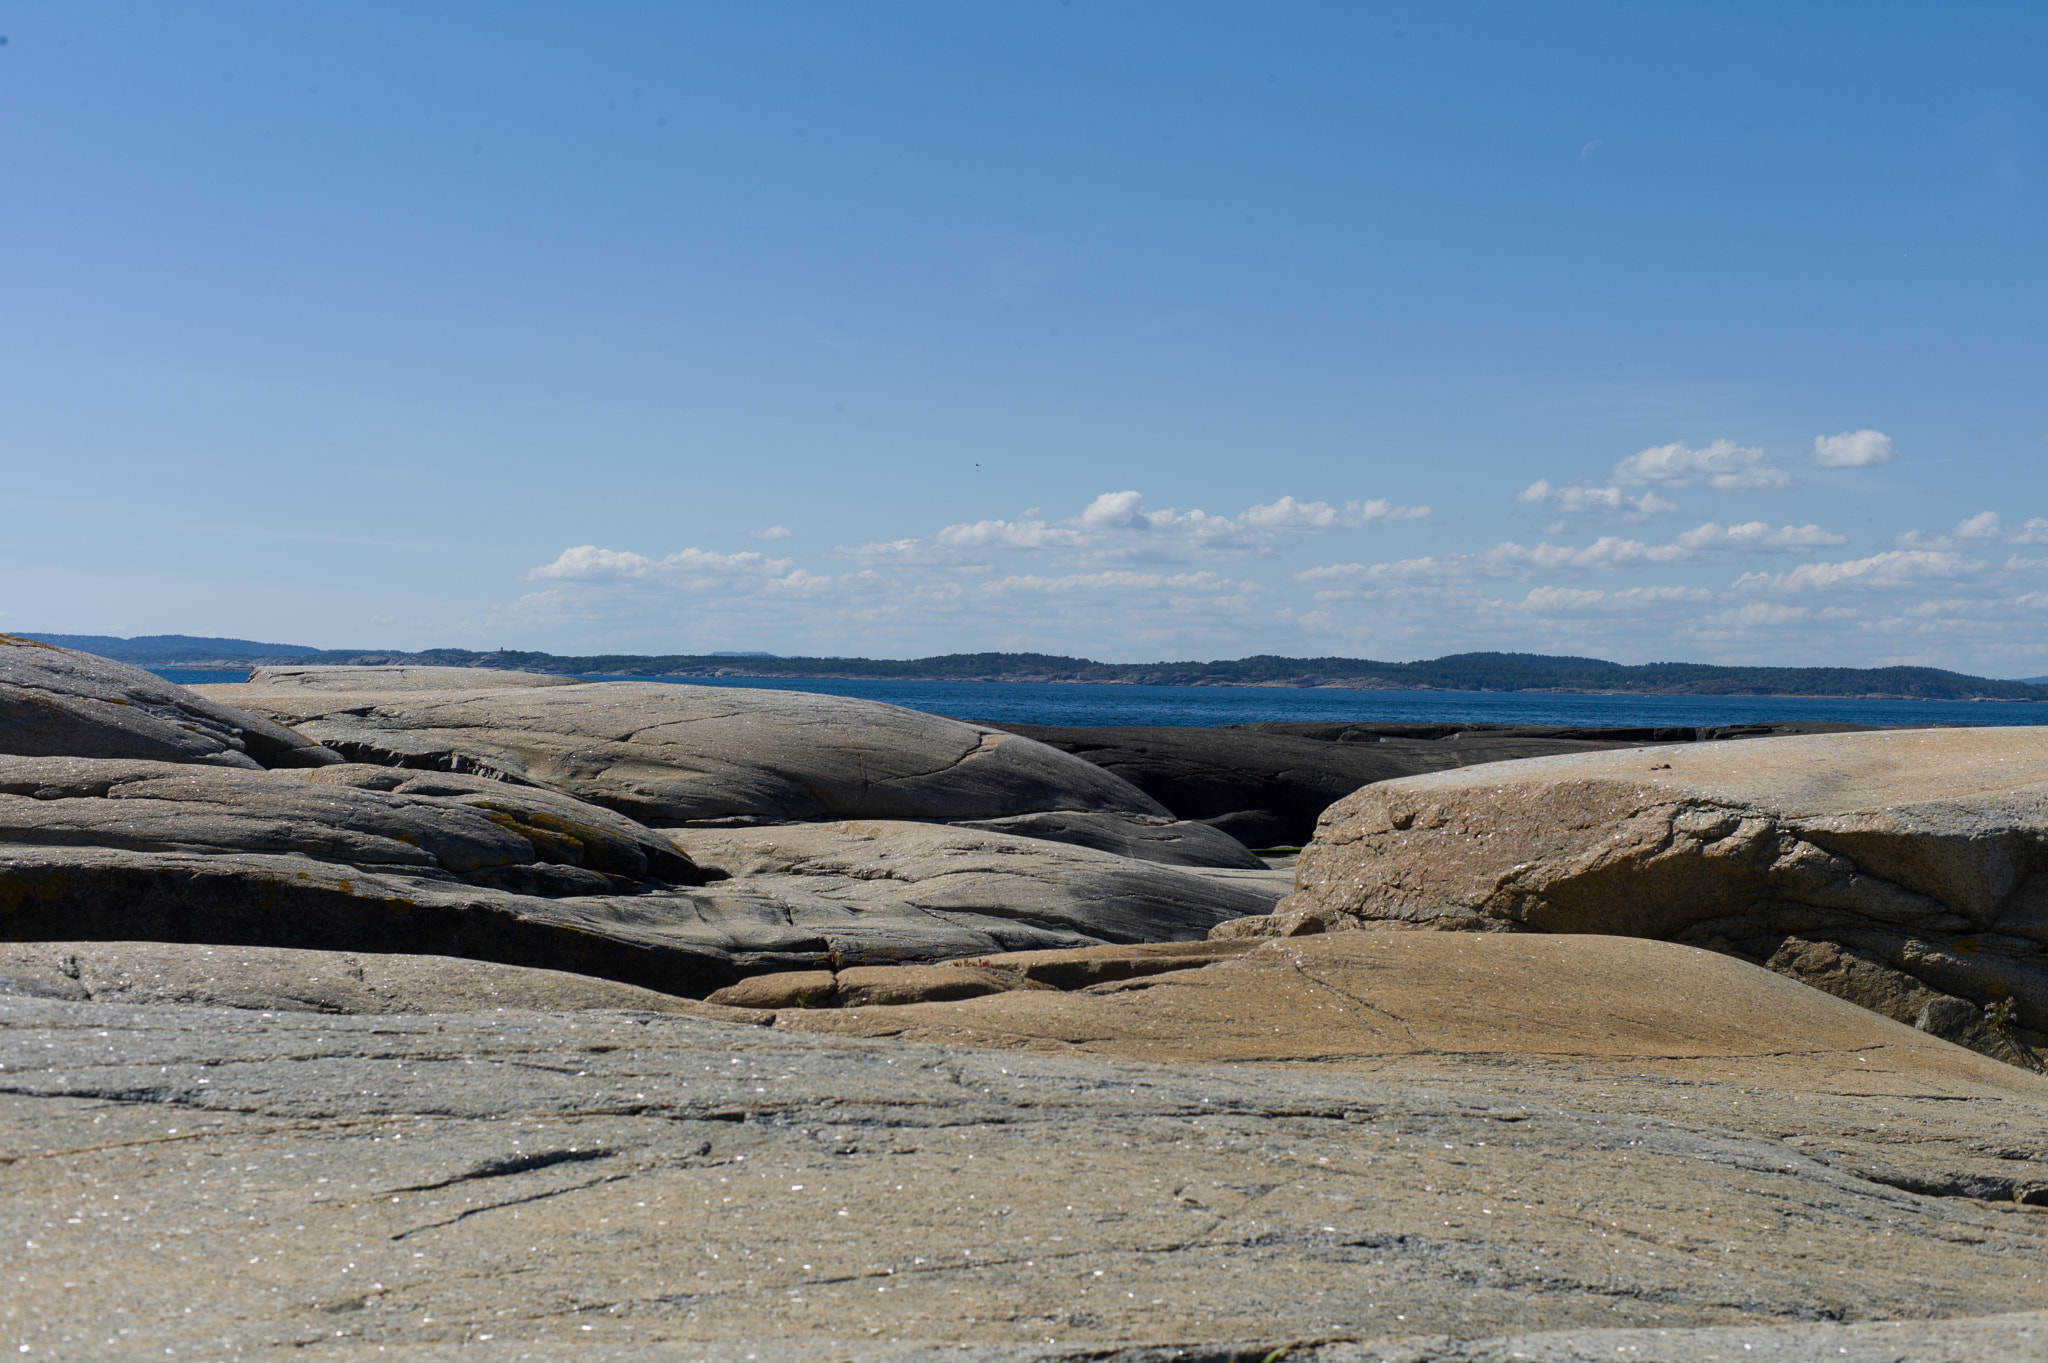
x: 1093, y: 704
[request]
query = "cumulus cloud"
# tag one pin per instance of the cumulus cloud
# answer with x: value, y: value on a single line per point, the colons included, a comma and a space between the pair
x: 1853, y: 450
x: 773, y: 532
x: 1608, y: 551
x: 1559, y: 598
x: 588, y: 563
x: 1552, y: 598
x: 1577, y: 498
x: 1407, y: 569
x: 1894, y: 568
x: 1759, y: 535
x: 1982, y: 528
x: 1761, y: 613
x: 1723, y: 465
x: 1118, y: 526
x: 1201, y: 591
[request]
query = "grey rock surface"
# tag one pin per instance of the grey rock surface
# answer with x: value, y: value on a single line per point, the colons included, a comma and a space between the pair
x: 438, y: 825
x: 1265, y: 784
x: 55, y: 702
x: 677, y: 754
x: 886, y: 890
x: 278, y: 979
x: 382, y: 859
x: 628, y: 1186
x: 1921, y: 854
x: 1175, y: 842
x: 282, y: 677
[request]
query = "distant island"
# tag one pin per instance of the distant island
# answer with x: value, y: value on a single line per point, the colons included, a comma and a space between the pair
x: 1458, y: 672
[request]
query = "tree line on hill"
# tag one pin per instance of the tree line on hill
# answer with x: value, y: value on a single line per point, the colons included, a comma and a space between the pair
x: 1458, y: 672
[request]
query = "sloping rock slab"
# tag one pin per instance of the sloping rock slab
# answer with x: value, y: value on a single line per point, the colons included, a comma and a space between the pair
x: 277, y: 979
x: 1173, y: 842
x: 56, y: 702
x: 663, y: 941
x: 434, y: 824
x: 398, y: 677
x: 882, y: 877
x: 1924, y: 849
x: 1265, y: 784
x: 366, y: 858
x: 1352, y: 995
x: 677, y: 754
x: 614, y: 1186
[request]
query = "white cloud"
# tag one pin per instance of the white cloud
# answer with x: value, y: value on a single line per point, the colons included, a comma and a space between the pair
x: 1174, y: 590
x: 1654, y: 596
x: 1761, y: 613
x: 1551, y: 598
x: 1853, y: 450
x: 773, y: 532
x: 1577, y: 498
x: 588, y: 563
x: 1981, y: 528
x: 1894, y: 568
x: 1759, y: 535
x: 1559, y: 598
x: 1337, y: 575
x: 1608, y: 551
x: 1117, y: 526
x: 1723, y: 465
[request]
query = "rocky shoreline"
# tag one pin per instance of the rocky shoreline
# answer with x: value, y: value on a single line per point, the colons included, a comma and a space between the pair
x: 402, y: 1010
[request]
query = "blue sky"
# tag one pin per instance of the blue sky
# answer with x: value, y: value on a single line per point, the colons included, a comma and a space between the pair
x: 1134, y: 331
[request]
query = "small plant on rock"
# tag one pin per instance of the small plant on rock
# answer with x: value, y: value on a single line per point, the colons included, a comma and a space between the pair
x: 1998, y: 1013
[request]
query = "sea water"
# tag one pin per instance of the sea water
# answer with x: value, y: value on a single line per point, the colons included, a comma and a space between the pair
x: 1092, y: 704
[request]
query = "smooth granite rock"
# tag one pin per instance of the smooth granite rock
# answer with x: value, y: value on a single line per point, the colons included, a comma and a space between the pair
x: 888, y: 890
x: 1920, y: 856
x: 1175, y: 842
x: 678, y: 754
x: 284, y: 677
x: 366, y: 858
x: 1265, y: 784
x: 438, y: 825
x: 1368, y: 1146
x: 279, y: 979
x: 58, y: 703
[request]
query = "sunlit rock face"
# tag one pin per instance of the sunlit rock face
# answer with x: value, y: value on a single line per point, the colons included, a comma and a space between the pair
x: 1920, y: 857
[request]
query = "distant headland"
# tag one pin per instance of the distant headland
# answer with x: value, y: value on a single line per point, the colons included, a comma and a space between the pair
x: 1457, y: 672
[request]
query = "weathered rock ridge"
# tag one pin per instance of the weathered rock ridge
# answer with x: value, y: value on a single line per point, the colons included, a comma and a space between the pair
x: 383, y: 859
x: 57, y: 703
x: 671, y: 754
x: 1904, y: 869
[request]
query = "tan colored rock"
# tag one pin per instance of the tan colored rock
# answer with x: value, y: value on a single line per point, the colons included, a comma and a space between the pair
x: 1379, y: 1146
x: 1292, y: 923
x: 895, y: 986
x: 870, y: 986
x: 1081, y: 967
x: 1363, y: 998
x: 781, y: 989
x: 1926, y: 849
